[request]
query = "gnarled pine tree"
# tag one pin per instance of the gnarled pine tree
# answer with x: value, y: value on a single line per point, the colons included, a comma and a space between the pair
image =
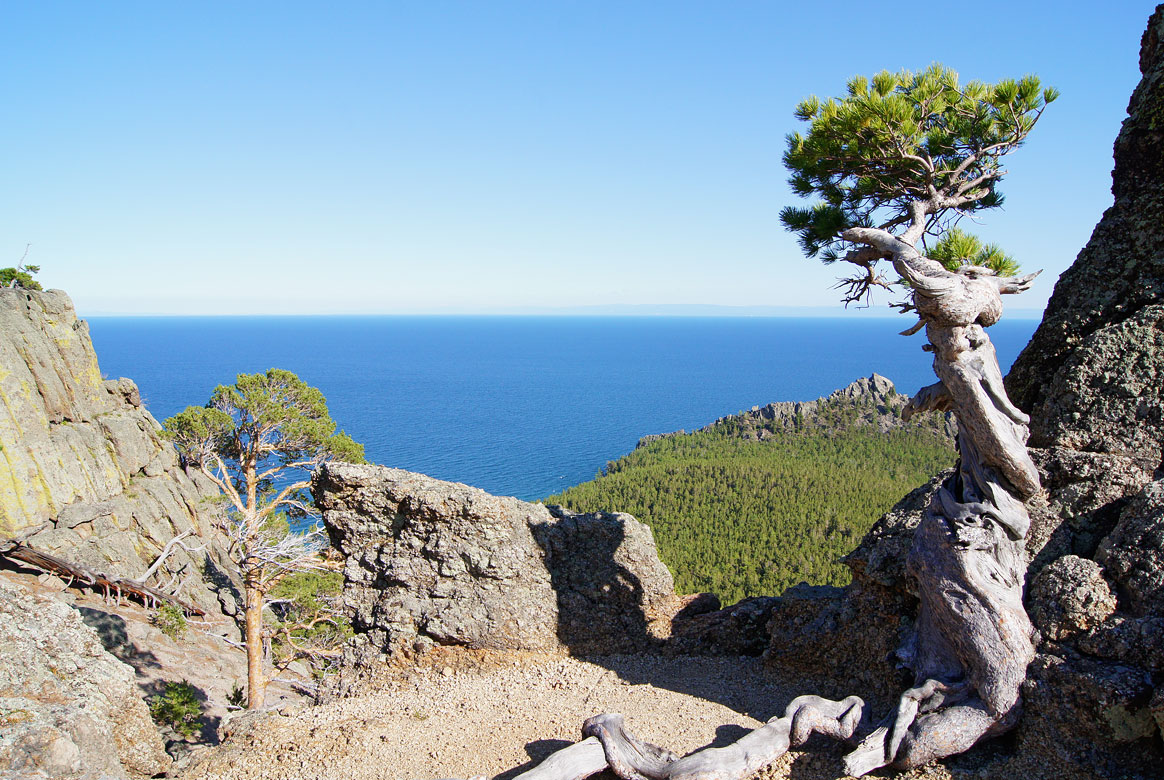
x: 896, y: 163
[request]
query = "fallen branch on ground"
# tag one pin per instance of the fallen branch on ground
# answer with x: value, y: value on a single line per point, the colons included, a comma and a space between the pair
x: 77, y: 575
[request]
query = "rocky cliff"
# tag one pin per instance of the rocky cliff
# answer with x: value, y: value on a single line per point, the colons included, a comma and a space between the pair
x: 439, y: 563
x: 1092, y: 379
x: 84, y: 472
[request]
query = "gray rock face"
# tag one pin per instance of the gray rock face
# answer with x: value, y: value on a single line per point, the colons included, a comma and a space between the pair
x: 439, y: 563
x: 84, y: 461
x: 1092, y: 380
x: 1134, y: 553
x: 68, y: 708
x: 1070, y: 596
x: 1090, y: 376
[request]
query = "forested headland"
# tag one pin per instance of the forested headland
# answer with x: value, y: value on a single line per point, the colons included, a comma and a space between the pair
x: 760, y: 501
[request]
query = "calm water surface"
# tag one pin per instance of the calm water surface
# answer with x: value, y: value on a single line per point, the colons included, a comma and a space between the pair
x: 521, y: 406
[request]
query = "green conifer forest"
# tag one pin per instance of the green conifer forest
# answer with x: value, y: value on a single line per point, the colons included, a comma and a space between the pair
x: 750, y: 506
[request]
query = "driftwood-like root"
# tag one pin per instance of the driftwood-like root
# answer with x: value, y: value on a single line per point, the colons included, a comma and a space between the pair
x: 580, y: 760
x: 633, y: 759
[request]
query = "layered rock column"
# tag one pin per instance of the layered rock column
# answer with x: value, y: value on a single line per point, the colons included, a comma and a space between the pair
x: 84, y: 472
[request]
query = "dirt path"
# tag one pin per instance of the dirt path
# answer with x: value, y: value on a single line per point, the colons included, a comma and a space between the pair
x: 443, y: 724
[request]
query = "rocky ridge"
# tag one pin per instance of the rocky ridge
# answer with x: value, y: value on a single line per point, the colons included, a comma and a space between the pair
x: 869, y: 402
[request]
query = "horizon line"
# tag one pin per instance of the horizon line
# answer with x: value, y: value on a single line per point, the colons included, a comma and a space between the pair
x: 599, y: 310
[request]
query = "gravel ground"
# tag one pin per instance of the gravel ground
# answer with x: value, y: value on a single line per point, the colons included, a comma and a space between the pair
x: 501, y: 721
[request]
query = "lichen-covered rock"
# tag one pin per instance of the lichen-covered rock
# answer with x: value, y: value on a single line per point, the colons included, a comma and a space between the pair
x: 1086, y: 376
x: 1070, y: 596
x: 1108, y: 394
x: 86, y: 475
x: 880, y: 556
x: 1084, y: 495
x: 701, y: 627
x: 433, y: 562
x: 68, y: 709
x: 1085, y: 718
x: 843, y: 640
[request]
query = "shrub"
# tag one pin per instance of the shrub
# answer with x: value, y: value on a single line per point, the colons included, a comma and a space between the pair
x: 308, y: 606
x: 237, y: 698
x: 177, y: 708
x: 171, y: 621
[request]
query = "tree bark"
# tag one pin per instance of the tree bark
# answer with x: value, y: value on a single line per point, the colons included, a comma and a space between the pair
x: 256, y: 676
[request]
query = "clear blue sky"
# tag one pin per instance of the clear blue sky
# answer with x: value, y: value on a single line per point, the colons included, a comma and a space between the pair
x: 286, y: 157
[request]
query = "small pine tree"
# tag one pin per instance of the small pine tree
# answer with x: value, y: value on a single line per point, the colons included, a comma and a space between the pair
x: 177, y: 707
x: 258, y: 440
x: 20, y: 276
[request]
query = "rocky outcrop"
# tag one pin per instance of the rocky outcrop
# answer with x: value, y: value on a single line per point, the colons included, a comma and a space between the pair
x: 84, y: 472
x: 438, y: 563
x: 1090, y: 377
x: 68, y: 709
x: 1093, y: 380
x: 869, y: 402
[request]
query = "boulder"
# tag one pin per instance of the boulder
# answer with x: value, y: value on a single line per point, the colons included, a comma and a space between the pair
x: 69, y: 709
x: 1134, y: 553
x: 1070, y: 596
x: 438, y: 563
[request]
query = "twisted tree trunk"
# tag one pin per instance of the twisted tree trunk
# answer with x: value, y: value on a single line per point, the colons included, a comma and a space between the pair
x: 972, y: 641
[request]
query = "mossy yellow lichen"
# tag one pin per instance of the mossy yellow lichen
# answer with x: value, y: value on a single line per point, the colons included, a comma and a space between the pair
x: 12, y: 717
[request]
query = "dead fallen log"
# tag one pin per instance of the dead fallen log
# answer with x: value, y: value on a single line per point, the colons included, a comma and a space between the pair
x: 111, y: 586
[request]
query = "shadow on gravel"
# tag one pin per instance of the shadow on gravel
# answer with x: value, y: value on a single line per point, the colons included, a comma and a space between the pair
x: 756, y: 693
x: 602, y: 617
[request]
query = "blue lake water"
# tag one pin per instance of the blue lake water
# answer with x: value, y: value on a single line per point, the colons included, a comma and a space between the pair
x: 522, y: 406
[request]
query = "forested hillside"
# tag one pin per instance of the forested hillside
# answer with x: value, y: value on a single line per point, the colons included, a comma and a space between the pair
x: 760, y: 501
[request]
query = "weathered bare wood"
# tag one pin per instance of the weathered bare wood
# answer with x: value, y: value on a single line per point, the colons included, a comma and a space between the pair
x: 633, y: 759
x: 580, y: 760
x: 166, y: 552
x: 94, y: 579
x: 972, y: 641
